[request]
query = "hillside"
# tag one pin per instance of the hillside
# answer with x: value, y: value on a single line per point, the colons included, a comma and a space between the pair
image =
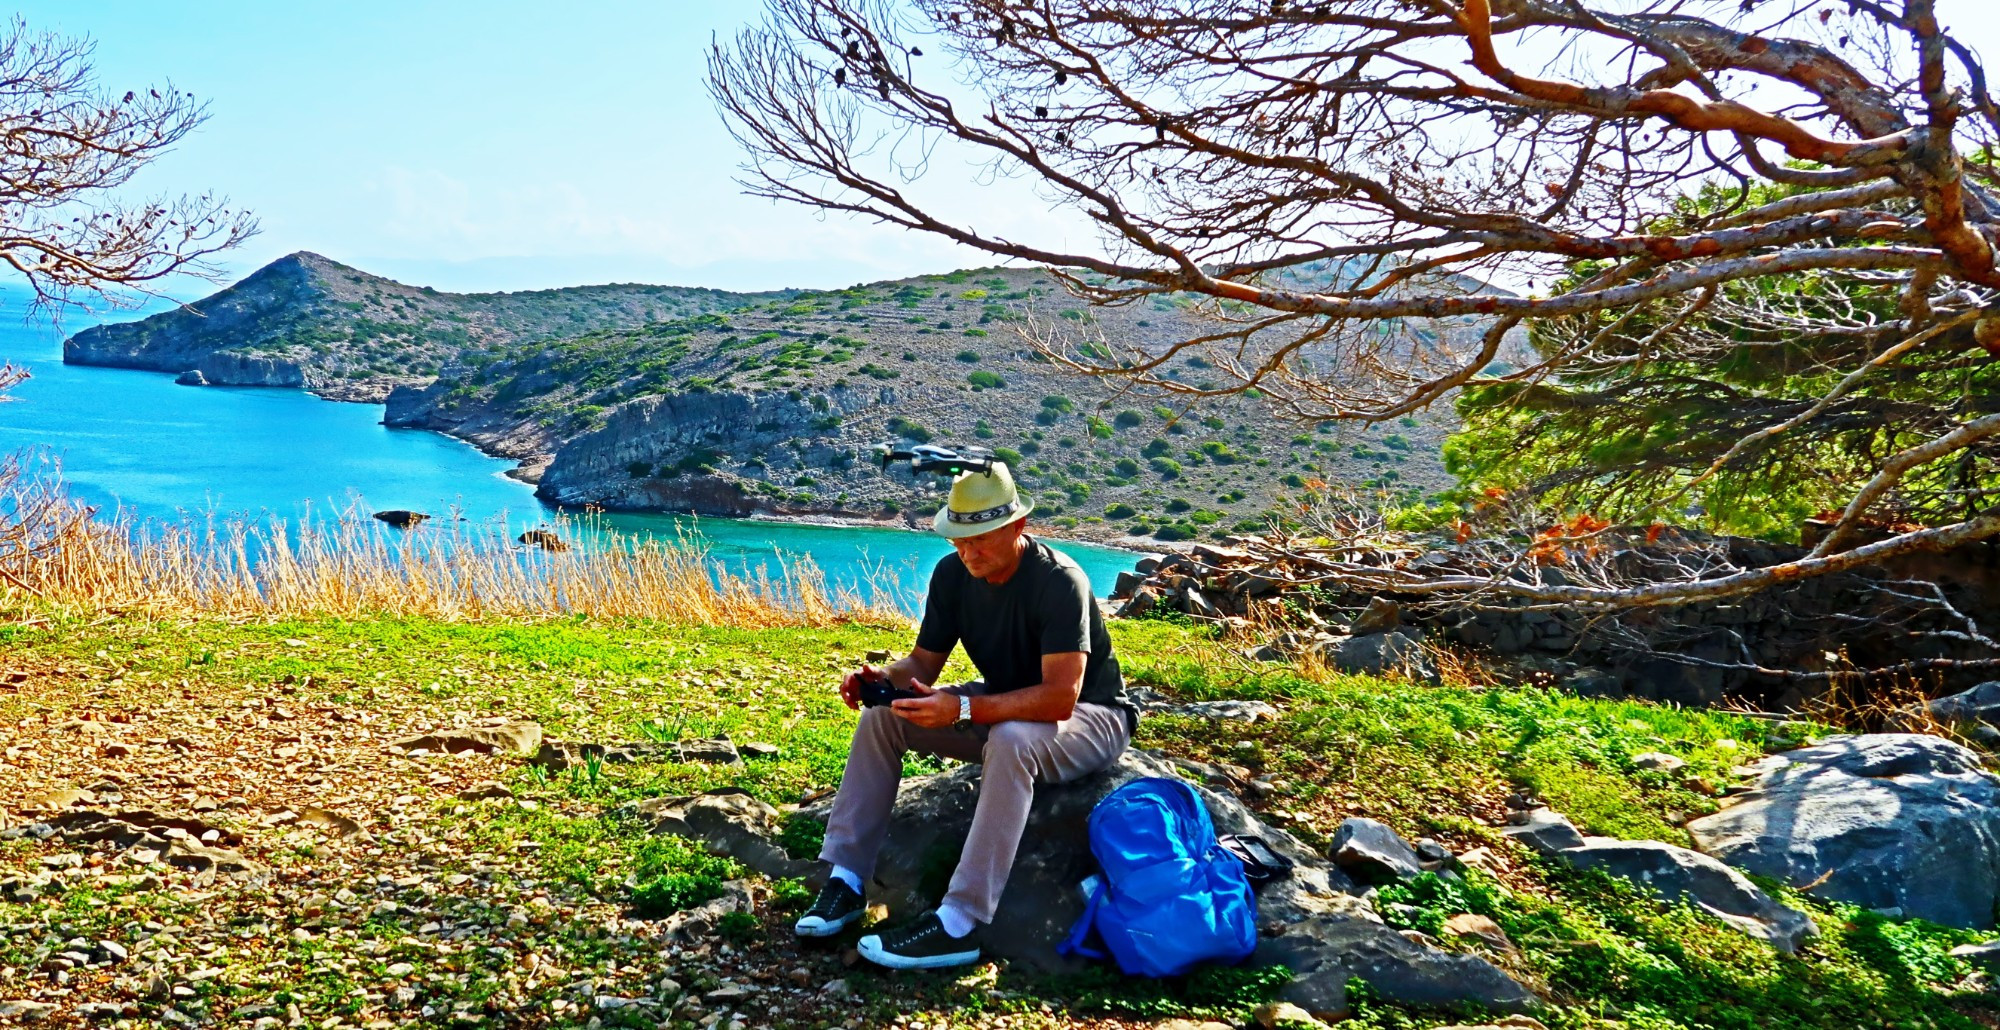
x: 672, y: 399
x: 306, y: 320
x: 772, y: 409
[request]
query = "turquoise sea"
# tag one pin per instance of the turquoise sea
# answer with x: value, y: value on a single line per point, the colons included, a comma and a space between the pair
x: 137, y: 443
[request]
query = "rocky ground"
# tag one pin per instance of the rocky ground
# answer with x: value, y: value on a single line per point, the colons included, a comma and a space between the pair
x: 245, y: 825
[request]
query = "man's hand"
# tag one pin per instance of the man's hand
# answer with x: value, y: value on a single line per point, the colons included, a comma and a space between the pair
x: 934, y: 710
x: 850, y: 688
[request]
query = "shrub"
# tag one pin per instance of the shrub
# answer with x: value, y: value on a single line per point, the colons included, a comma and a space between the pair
x: 639, y: 469
x: 1047, y: 416
x: 1009, y: 455
x: 1099, y: 429
x: 1061, y: 405
x: 985, y: 380
x: 1168, y: 468
x: 1127, y: 419
x: 1120, y: 510
x: 1126, y: 467
x: 974, y: 332
x: 1174, y: 531
x: 909, y: 430
x: 1177, y: 505
x: 968, y: 356
x: 1158, y: 448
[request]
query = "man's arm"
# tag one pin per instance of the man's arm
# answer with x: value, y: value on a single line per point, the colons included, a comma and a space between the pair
x: 1051, y: 700
x: 920, y: 665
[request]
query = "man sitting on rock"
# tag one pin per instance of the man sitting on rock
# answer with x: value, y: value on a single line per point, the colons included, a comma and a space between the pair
x: 1050, y: 707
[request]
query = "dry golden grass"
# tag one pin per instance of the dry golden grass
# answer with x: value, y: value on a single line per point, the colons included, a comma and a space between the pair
x: 52, y: 549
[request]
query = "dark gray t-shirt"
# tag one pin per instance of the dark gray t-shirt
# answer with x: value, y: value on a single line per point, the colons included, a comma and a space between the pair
x: 1044, y: 608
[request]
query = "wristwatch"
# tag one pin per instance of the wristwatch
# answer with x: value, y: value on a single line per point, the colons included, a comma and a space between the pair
x: 964, y: 713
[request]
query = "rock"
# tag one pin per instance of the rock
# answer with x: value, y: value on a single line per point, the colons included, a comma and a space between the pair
x: 401, y: 517
x: 1223, y: 711
x: 26, y: 1011
x: 519, y: 737
x: 1308, y: 922
x: 1279, y: 1015
x: 1984, y: 956
x: 1372, y: 852
x: 1142, y: 601
x: 1189, y: 1024
x: 558, y: 755
x: 341, y: 825
x: 1384, y: 654
x: 58, y: 800
x: 1655, y: 761
x: 1482, y: 859
x: 1884, y: 821
x: 1198, y: 606
x: 1676, y: 873
x: 730, y: 823
x: 546, y: 539
x: 695, y: 923
x: 1326, y: 951
x: 759, y: 749
x: 484, y: 790
x: 191, y: 377
x: 1977, y: 706
x: 1479, y: 928
x: 186, y: 854
x: 1542, y: 829
x: 1381, y: 616
x: 1126, y: 583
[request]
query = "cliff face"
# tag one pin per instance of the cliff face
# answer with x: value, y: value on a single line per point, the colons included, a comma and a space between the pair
x: 706, y: 435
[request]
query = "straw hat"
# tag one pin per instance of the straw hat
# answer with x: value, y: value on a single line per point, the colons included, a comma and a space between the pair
x: 980, y: 503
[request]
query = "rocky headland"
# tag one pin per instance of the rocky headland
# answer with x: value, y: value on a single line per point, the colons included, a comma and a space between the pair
x: 652, y: 398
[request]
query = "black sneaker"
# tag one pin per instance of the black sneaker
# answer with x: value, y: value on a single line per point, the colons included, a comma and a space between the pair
x: 836, y: 908
x: 921, y: 944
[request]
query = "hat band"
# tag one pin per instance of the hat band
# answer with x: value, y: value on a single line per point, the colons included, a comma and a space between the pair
x: 973, y: 518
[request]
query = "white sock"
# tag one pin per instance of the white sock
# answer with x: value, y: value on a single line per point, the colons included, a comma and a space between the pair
x: 848, y: 877
x: 956, y: 923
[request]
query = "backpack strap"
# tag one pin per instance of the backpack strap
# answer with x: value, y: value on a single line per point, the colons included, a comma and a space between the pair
x: 1086, y: 924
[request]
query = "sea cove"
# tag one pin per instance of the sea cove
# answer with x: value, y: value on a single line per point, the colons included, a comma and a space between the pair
x: 135, y: 442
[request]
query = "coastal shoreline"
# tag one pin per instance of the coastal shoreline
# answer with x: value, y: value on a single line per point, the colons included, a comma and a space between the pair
x: 526, y: 467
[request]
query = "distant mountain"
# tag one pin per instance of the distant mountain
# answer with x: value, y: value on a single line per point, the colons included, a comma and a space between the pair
x: 306, y: 320
x: 670, y: 399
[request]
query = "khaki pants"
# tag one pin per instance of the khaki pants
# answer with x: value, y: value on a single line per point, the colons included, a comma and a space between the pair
x: 1016, y: 755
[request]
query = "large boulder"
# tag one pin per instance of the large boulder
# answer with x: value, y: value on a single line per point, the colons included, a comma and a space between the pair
x: 1392, y: 653
x: 1543, y: 829
x: 1677, y: 874
x: 1899, y: 822
x: 1311, y: 922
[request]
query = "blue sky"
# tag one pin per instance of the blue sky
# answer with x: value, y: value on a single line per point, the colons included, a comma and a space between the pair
x: 510, y: 145
x: 491, y: 145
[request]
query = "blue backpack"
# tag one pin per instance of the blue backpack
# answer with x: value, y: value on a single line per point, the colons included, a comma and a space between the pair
x: 1170, y: 896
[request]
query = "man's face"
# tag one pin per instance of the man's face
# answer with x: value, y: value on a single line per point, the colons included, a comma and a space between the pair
x: 991, y: 552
